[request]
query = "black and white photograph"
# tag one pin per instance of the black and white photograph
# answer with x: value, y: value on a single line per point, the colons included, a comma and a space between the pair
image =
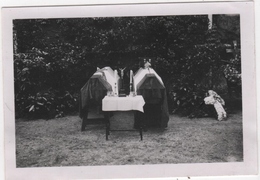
x: 188, y: 90
x: 116, y: 89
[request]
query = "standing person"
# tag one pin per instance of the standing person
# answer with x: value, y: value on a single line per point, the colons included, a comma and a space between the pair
x: 218, y: 102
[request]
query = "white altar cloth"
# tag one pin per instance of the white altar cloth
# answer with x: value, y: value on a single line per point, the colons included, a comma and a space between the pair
x: 123, y: 103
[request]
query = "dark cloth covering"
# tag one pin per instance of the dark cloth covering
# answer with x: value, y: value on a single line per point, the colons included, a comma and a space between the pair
x: 93, y: 92
x: 156, y: 106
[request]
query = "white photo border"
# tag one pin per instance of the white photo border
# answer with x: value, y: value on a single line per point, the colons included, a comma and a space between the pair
x: 247, y: 167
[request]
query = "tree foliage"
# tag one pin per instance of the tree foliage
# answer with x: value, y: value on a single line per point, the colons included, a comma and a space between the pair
x: 54, y: 58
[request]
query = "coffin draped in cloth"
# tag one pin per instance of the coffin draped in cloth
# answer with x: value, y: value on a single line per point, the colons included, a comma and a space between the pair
x: 96, y: 89
x: 150, y: 85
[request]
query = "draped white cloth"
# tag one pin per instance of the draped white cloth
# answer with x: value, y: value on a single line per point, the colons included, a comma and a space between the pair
x: 141, y: 73
x: 110, y: 77
x: 123, y: 103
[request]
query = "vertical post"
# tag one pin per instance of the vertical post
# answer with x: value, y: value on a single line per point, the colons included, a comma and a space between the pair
x: 107, y: 122
x: 141, y: 133
x: 140, y: 122
x: 84, y: 120
x: 107, y: 133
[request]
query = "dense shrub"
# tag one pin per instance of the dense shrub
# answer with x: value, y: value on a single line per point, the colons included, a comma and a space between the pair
x: 37, y: 93
x: 54, y: 58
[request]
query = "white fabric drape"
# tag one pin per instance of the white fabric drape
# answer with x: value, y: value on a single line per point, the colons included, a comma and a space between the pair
x: 110, y: 77
x: 141, y: 73
x: 123, y: 103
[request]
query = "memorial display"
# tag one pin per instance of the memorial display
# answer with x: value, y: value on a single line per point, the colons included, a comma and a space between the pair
x: 107, y: 85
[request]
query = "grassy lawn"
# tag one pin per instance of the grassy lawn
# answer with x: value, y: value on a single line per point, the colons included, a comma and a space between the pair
x: 59, y: 142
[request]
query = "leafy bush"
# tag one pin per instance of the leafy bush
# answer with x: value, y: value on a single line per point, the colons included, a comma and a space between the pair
x: 34, y: 88
x: 189, y: 77
x: 54, y: 58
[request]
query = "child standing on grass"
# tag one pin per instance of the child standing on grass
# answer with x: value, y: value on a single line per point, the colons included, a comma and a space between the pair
x: 218, y: 102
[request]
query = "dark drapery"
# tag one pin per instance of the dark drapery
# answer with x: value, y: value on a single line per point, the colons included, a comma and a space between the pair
x: 93, y: 92
x: 156, y: 106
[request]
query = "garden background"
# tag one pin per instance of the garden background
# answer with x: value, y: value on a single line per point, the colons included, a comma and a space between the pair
x: 54, y: 58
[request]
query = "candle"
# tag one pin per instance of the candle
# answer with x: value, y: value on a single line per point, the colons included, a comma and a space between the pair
x: 115, y: 75
x: 131, y: 76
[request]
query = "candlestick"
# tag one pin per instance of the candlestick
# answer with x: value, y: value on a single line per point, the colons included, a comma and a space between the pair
x: 115, y: 77
x: 115, y: 90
